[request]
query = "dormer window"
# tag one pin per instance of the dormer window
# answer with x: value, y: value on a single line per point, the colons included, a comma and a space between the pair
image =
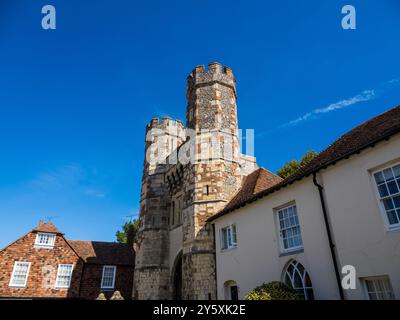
x: 45, y: 240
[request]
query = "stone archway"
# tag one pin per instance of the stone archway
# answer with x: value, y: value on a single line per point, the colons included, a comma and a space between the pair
x: 177, y: 278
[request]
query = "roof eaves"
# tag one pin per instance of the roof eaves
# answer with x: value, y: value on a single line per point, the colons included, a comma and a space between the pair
x: 289, y: 181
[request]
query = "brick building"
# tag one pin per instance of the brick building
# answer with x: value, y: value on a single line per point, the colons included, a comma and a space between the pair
x: 44, y: 264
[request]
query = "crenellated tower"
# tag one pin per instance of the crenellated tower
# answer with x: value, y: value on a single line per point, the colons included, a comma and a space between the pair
x: 190, y: 173
x: 152, y: 279
x: 213, y: 177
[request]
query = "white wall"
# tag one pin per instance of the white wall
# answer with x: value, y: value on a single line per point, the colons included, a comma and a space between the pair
x: 257, y: 257
x: 358, y: 228
x: 361, y: 236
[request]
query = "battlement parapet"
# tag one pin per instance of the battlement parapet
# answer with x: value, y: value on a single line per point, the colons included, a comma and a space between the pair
x: 216, y: 73
x: 166, y: 126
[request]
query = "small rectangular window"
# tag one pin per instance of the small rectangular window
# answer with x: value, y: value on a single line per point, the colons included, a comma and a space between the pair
x: 45, y: 240
x: 228, y: 237
x: 108, y: 278
x: 19, y: 274
x: 388, y: 190
x: 64, y: 275
x: 379, y: 288
x: 289, y: 228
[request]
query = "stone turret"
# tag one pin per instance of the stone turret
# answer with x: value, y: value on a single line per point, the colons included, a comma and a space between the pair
x: 213, y: 177
x: 152, y: 265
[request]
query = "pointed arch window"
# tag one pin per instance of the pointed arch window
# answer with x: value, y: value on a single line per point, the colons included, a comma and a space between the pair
x: 297, y: 277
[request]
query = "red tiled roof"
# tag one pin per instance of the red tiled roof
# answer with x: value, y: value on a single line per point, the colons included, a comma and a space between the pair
x: 365, y: 135
x: 256, y: 181
x: 47, y: 227
x: 112, y: 253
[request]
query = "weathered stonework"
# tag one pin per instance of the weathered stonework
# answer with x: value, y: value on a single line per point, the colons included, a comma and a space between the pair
x: 197, y: 189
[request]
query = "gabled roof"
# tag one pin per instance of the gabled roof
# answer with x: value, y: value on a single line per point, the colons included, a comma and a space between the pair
x: 255, y: 182
x: 47, y: 227
x: 375, y: 130
x: 103, y: 253
x: 91, y: 252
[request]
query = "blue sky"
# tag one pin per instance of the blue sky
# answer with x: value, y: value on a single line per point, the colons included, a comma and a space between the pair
x: 74, y: 102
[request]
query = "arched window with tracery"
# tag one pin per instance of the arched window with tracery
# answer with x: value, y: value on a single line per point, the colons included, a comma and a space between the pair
x: 296, y: 276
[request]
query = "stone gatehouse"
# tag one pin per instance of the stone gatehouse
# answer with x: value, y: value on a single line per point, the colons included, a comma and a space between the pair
x: 190, y: 173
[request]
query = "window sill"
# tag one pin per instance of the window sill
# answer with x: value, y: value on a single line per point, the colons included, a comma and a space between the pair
x: 393, y: 229
x: 107, y: 289
x: 16, y: 286
x: 228, y: 249
x: 291, y: 252
x: 38, y: 246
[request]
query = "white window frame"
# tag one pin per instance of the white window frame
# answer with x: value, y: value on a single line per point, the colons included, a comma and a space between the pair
x: 11, y: 284
x: 231, y: 241
x: 380, y: 199
x: 284, y: 250
x: 378, y: 278
x: 57, y: 286
x: 50, y: 245
x: 114, y: 275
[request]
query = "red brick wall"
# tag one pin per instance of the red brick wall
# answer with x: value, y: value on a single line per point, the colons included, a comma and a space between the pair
x: 43, y: 270
x: 91, y: 282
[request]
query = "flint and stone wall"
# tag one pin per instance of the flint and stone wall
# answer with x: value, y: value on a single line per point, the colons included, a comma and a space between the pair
x: 208, y: 181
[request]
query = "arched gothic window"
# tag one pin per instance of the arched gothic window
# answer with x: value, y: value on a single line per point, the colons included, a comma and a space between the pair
x: 297, y: 277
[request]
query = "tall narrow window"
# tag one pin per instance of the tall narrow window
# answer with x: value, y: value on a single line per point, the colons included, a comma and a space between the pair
x: 108, y: 278
x: 45, y: 240
x: 289, y: 229
x: 296, y: 276
x: 379, y: 288
x: 388, y: 185
x: 19, y: 274
x: 228, y: 237
x: 64, y: 275
x: 179, y: 209
x: 173, y: 213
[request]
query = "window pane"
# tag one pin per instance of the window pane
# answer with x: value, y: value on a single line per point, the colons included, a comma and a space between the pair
x: 388, y: 203
x: 108, y: 277
x: 223, y: 235
x: 289, y: 228
x: 373, y: 296
x: 234, y: 293
x: 383, y: 191
x: 396, y: 170
x: 229, y: 237
x: 396, y: 201
x: 379, y: 288
x: 20, y: 274
x: 64, y: 275
x: 388, y: 174
x: 393, y: 189
x: 297, y: 278
x: 234, y: 238
x: 392, y: 217
x: 310, y: 294
x: 378, y: 177
x: 45, y: 239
